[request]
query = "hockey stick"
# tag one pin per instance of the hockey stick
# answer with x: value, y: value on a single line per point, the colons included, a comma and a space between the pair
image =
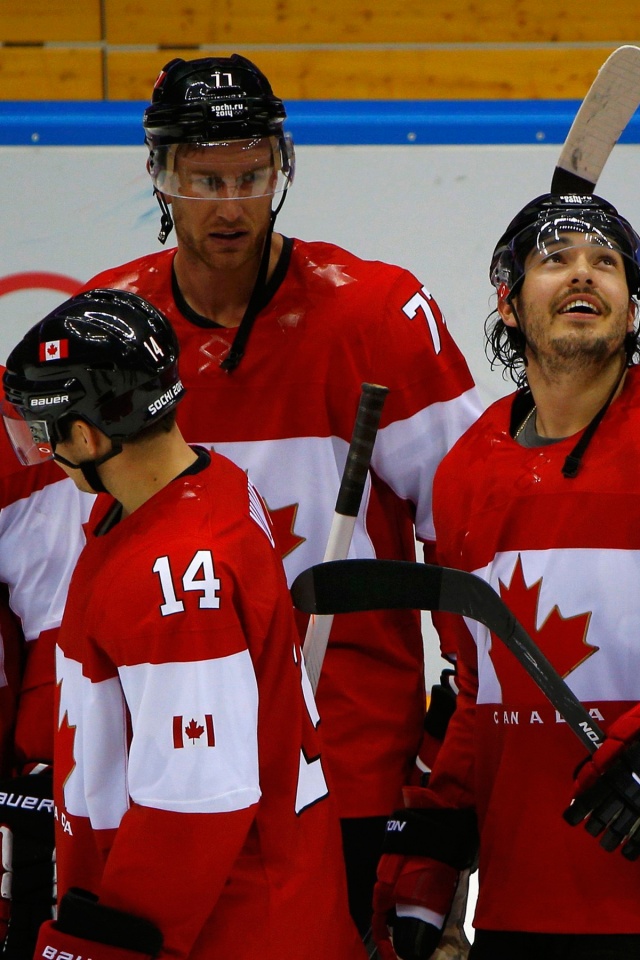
x: 353, y: 585
x: 613, y: 98
x: 344, y: 519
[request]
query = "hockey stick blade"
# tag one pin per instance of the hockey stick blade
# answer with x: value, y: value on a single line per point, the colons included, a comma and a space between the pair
x: 613, y: 98
x: 352, y: 484
x: 349, y: 586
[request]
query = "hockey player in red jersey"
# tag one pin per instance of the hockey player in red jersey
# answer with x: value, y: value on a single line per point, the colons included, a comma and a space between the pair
x: 193, y: 818
x: 277, y: 336
x: 538, y: 498
x: 41, y: 517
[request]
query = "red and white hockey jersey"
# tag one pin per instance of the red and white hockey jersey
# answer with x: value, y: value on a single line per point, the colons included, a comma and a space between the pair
x: 565, y: 556
x: 188, y: 780
x: 286, y: 414
x: 41, y: 536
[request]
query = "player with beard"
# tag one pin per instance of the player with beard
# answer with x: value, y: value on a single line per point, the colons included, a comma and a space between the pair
x: 538, y: 498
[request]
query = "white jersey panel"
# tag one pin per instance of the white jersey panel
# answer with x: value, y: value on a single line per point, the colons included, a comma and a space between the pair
x: 305, y: 472
x: 51, y: 517
x: 600, y: 585
x: 407, y: 452
x: 195, y: 746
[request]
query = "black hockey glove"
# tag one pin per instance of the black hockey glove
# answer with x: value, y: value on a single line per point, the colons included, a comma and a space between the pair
x: 27, y: 862
x: 85, y: 928
x: 607, y: 788
x: 611, y: 804
x: 425, y: 850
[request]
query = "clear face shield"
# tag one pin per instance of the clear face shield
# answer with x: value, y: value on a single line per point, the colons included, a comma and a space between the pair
x: 30, y: 439
x: 225, y: 170
x: 605, y: 242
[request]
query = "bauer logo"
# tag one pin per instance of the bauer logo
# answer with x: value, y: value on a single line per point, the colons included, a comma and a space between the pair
x: 48, y: 401
x: 19, y: 801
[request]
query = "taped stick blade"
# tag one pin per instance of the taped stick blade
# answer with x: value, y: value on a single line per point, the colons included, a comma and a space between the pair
x: 613, y: 98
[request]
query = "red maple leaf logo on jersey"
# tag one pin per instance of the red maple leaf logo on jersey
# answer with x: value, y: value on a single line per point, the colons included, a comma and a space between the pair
x: 194, y: 730
x: 65, y: 739
x: 563, y: 640
x: 283, y: 520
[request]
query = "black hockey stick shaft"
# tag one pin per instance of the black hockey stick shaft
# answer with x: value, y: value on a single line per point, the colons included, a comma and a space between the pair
x: 348, y: 502
x: 355, y: 585
x: 611, y: 101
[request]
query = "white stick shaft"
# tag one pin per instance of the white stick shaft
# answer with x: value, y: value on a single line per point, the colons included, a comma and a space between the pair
x: 319, y: 627
x: 352, y: 487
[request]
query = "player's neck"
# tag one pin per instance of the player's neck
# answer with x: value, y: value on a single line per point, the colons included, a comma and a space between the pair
x: 221, y: 294
x: 144, y: 468
x: 567, y: 403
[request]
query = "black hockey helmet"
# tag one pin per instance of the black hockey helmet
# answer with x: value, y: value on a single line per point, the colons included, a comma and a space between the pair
x: 211, y: 99
x: 544, y: 221
x: 105, y: 356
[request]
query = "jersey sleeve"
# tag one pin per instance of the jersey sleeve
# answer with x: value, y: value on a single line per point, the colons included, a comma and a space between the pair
x: 41, y: 536
x: 432, y: 399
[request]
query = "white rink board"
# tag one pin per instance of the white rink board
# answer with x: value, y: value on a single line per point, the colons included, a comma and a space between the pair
x: 437, y: 210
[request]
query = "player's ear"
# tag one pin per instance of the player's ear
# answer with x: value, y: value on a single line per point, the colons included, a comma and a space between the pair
x: 88, y: 438
x: 505, y: 308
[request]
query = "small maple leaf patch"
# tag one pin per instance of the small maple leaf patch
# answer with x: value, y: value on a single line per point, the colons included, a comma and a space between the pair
x: 194, y: 733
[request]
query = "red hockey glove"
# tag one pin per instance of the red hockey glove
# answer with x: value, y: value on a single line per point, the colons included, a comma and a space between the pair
x: 607, y: 789
x: 27, y: 895
x: 442, y: 704
x: 84, y: 928
x: 417, y: 878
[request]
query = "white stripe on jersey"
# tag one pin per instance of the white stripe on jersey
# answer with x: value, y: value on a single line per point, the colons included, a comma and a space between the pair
x: 598, y: 584
x: 41, y: 538
x: 152, y: 770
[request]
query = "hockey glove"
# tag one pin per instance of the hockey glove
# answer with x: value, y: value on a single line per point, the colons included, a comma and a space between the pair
x: 607, y: 789
x: 425, y: 850
x: 27, y: 893
x: 84, y: 928
x: 442, y: 704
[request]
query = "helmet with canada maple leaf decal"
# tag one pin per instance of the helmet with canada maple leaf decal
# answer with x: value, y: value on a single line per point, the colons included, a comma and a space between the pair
x: 104, y: 356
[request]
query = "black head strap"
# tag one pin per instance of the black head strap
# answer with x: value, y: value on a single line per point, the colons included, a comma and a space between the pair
x: 256, y: 302
x: 574, y: 459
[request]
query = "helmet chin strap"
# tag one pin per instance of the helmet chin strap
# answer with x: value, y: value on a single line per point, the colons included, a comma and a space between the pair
x: 89, y: 468
x: 166, y: 220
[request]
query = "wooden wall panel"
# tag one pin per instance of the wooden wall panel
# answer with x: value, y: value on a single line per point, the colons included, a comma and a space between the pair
x: 35, y: 21
x: 389, y: 74
x: 45, y: 73
x: 270, y: 22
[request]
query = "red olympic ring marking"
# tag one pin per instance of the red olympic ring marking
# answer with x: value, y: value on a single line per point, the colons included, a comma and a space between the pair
x: 38, y: 280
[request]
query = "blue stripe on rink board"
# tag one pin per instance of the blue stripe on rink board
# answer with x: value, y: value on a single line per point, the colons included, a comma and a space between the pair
x: 314, y: 122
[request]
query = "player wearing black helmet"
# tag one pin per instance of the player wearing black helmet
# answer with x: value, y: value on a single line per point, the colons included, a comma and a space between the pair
x: 537, y: 498
x: 193, y: 818
x: 105, y: 357
x: 277, y: 336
